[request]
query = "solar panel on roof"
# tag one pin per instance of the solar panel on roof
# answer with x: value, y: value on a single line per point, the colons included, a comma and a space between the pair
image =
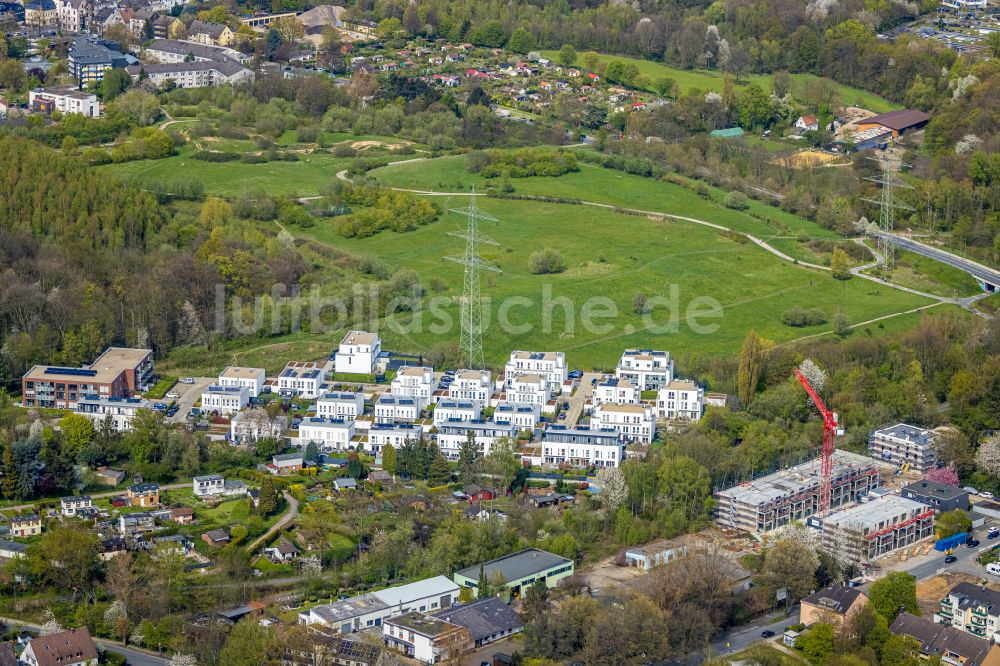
x: 537, y: 356
x: 76, y: 372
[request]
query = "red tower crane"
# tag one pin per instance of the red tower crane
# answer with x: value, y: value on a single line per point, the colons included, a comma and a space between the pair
x: 826, y: 458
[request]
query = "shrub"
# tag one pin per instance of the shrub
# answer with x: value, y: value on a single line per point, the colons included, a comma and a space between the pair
x: 546, y: 261
x: 213, y: 156
x: 737, y: 201
x: 96, y: 156
x: 343, y: 150
x: 521, y: 163
x: 799, y: 317
x: 252, y: 158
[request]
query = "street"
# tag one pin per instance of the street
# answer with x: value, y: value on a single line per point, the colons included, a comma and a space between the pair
x: 980, y: 272
x: 133, y: 656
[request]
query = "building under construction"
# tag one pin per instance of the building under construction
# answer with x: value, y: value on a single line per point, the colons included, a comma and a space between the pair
x: 866, y: 531
x: 792, y: 494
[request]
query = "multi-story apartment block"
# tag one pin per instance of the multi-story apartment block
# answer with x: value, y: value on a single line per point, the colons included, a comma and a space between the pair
x: 40, y: 13
x: 358, y: 353
x: 789, y: 495
x: 973, y: 609
x: 396, y: 409
x: 528, y: 389
x: 635, y: 423
x: 472, y: 385
x: 89, y: 59
x: 551, y: 365
x: 136, y: 364
x: 341, y: 405
x: 646, y: 369
x: 120, y: 410
x: 117, y: 373
x: 396, y: 434
x: 64, y: 100
x: 177, y: 50
x: 226, y: 400
x: 455, y: 411
x: 197, y: 74
x: 615, y: 390
x: 520, y: 415
x: 329, y: 433
x: 70, y: 506
x: 415, y: 382
x: 251, y: 378
x: 301, y: 378
x: 680, y: 400
x: 582, y: 447
x: 904, y: 444
x: 866, y: 531
x: 452, y: 435
x: 215, y: 34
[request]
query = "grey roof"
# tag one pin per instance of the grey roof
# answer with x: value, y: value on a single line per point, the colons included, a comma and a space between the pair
x: 349, y: 608
x: 528, y: 562
x: 483, y: 618
x: 935, y: 489
x: 971, y: 595
x: 936, y: 639
x: 836, y: 598
x: 214, y: 30
x: 13, y: 546
x: 180, y: 47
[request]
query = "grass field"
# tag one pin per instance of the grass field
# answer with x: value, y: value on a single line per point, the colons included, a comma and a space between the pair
x: 708, y: 80
x: 591, y: 183
x: 918, y: 272
x: 306, y: 176
x: 612, y: 257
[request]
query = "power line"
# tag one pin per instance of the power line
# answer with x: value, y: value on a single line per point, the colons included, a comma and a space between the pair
x: 888, y: 204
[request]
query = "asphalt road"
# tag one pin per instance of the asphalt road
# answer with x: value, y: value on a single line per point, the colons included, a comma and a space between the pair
x: 740, y: 638
x: 576, y: 403
x: 977, y: 270
x: 190, y: 394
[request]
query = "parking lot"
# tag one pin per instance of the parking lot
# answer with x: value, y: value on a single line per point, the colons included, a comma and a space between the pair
x: 963, y: 30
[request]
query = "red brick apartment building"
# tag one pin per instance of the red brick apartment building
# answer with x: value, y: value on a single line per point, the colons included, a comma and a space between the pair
x: 117, y: 373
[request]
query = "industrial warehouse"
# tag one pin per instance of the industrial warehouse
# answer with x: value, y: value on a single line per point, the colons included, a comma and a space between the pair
x: 793, y: 494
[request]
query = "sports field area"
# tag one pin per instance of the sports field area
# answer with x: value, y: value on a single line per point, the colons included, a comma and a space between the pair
x: 712, y: 80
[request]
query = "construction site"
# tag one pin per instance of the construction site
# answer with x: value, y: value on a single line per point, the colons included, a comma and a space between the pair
x: 778, y: 499
x: 879, y: 527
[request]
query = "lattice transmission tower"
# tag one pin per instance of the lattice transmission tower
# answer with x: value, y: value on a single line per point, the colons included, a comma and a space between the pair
x: 471, y: 341
x: 888, y: 204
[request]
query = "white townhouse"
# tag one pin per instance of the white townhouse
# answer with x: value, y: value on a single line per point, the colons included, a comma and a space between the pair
x: 680, y: 400
x: 70, y: 506
x: 65, y: 100
x: 582, y: 447
x: 396, y: 409
x: 455, y: 411
x: 328, y: 433
x: 646, y: 369
x: 208, y: 485
x: 472, y: 385
x: 374, y: 608
x: 396, y: 434
x: 551, y: 365
x: 225, y: 400
x: 341, y: 405
x: 414, y: 381
x: 616, y: 390
x: 121, y: 410
x: 635, y: 423
x: 301, y: 378
x: 528, y: 389
x: 358, y: 353
x: 451, y: 436
x: 251, y: 378
x: 521, y: 415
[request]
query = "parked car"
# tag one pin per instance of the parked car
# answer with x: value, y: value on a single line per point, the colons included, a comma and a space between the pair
x: 171, y: 411
x: 972, y: 543
x: 575, y: 374
x: 162, y: 406
x: 986, y: 494
x: 970, y: 490
x: 950, y: 559
x: 993, y: 533
x: 186, y: 380
x: 767, y: 633
x: 562, y: 416
x: 173, y: 394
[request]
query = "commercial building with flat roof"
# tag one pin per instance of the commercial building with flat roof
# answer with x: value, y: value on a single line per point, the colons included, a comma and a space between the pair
x: 867, y: 531
x: 775, y: 500
x: 373, y: 608
x: 518, y: 570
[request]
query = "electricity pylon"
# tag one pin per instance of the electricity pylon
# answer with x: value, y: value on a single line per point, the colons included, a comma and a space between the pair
x: 888, y: 204
x: 471, y: 341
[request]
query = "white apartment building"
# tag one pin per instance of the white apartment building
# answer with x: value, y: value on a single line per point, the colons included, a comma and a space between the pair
x: 65, y: 100
x: 396, y: 434
x: 121, y: 410
x: 210, y: 484
x: 225, y: 400
x: 70, y: 506
x: 330, y: 434
x: 582, y: 447
x: 635, y: 423
x: 973, y: 609
x: 251, y: 378
x: 357, y: 353
x: 680, y: 400
x: 451, y: 411
x: 616, y: 390
x: 904, y: 444
x: 522, y: 416
x: 551, y: 365
x: 396, y: 409
x: 197, y: 74
x: 341, y: 405
x: 646, y: 369
x: 414, y: 381
x: 529, y: 389
x: 301, y: 378
x: 426, y: 639
x: 472, y: 385
x: 451, y: 436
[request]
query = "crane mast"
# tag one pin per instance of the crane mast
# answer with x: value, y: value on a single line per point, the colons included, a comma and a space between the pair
x: 826, y: 457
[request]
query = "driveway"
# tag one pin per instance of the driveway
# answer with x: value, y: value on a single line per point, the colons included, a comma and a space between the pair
x: 583, y: 393
x: 190, y: 394
x: 290, y: 515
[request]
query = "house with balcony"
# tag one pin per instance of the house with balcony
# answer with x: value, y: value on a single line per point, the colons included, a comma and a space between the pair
x: 973, y: 609
x: 522, y: 416
x: 144, y: 494
x: 529, y: 389
x: 551, y: 365
x: 472, y: 385
x: 301, y: 378
x: 904, y: 445
x: 459, y: 411
x: 635, y: 423
x: 26, y: 525
x: 329, y: 434
x: 680, y: 400
x: 341, y: 405
x: 646, y: 369
x: 358, y: 353
x: 582, y: 446
x: 396, y: 434
x: 453, y: 434
x: 121, y: 411
x: 224, y: 400
x: 250, y: 378
x: 71, y: 506
x: 391, y: 408
x: 415, y: 382
x: 615, y: 390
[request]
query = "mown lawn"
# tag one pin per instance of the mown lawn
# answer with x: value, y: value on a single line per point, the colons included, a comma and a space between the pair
x: 709, y: 80
x: 922, y: 273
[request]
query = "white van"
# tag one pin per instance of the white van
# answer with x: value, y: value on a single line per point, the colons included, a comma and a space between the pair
x: 994, y: 568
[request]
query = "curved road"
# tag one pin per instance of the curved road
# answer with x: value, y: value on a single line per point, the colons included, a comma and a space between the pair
x: 290, y: 515
x: 979, y: 271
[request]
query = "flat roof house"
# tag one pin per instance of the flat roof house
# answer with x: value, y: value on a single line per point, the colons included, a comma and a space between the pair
x: 302, y: 379
x: 70, y: 506
x: 415, y: 382
x: 396, y: 409
x: 225, y: 400
x: 529, y: 389
x: 251, y: 378
x: 341, y: 405
x: 144, y: 494
x: 680, y: 400
x: 522, y: 416
x: 357, y: 353
x: 426, y: 639
x: 551, y: 365
x: 120, y: 410
x: 472, y: 385
x: 582, y: 446
x: 881, y: 526
x: 452, y: 434
x: 655, y: 553
x: 634, y: 423
x: 328, y: 433
x: 396, y: 434
x: 646, y: 369
x: 450, y: 410
x: 615, y: 390
x: 65, y: 100
x: 518, y: 570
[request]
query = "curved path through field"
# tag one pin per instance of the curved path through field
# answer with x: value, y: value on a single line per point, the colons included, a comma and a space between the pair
x: 966, y: 303
x: 290, y: 515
